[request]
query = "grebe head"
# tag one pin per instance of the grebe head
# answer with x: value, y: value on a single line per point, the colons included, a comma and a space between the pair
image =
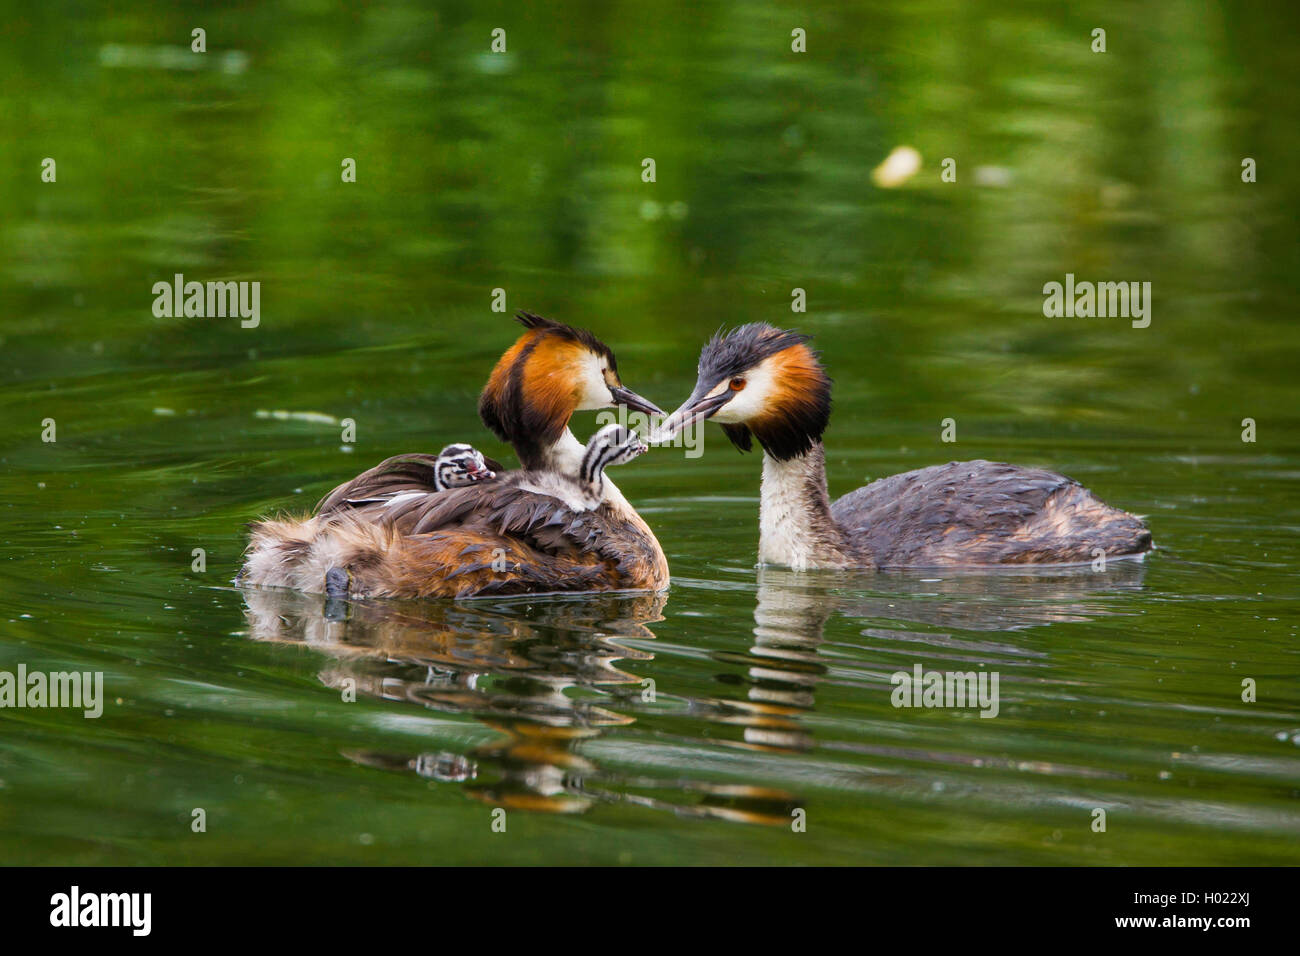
x: 612, y: 445
x: 552, y: 371
x: 762, y: 380
x: 460, y: 465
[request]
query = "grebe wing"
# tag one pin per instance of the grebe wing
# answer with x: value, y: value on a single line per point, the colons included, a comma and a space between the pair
x: 413, y: 472
x: 504, y: 508
x: 392, y: 476
x: 499, y: 538
x: 502, y: 505
x: 545, y: 524
x: 984, y: 512
x: 465, y: 562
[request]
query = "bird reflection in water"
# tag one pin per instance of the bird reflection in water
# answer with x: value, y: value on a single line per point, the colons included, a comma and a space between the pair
x: 784, y: 666
x: 547, y: 675
x: 552, y: 675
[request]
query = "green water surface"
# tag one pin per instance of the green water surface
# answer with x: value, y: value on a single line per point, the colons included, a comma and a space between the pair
x: 701, y: 726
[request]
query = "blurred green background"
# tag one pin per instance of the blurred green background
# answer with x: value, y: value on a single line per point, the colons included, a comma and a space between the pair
x: 522, y: 171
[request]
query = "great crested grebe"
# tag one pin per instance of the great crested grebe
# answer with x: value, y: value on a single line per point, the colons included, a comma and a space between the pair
x: 393, y: 532
x: 767, y: 383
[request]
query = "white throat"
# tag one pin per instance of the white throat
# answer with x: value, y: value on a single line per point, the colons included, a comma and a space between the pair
x: 564, y: 456
x: 795, y: 527
x: 783, y: 536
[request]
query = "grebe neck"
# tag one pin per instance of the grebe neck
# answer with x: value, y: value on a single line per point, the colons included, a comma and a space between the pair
x: 563, y: 456
x: 795, y: 525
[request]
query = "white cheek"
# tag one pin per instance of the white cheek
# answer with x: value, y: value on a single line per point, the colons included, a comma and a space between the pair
x: 595, y: 393
x: 750, y: 401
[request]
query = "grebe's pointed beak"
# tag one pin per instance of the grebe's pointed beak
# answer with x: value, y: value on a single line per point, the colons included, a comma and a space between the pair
x: 630, y: 399
x: 699, y: 406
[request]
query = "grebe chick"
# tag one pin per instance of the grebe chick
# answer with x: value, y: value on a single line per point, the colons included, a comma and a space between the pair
x: 612, y: 445
x: 765, y: 383
x: 585, y: 490
x: 459, y: 465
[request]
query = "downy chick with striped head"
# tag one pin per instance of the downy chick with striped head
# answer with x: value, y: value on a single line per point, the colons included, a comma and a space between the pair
x: 460, y: 465
x: 584, y: 490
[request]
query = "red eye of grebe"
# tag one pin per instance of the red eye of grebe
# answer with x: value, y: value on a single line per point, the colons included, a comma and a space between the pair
x: 737, y: 384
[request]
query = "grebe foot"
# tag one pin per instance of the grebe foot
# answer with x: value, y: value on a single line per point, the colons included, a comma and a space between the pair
x: 338, y: 583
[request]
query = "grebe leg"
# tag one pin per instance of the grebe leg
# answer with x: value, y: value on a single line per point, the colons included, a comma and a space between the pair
x: 338, y: 583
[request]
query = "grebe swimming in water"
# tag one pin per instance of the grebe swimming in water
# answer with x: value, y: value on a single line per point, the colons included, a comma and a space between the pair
x: 767, y: 383
x: 394, y: 534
